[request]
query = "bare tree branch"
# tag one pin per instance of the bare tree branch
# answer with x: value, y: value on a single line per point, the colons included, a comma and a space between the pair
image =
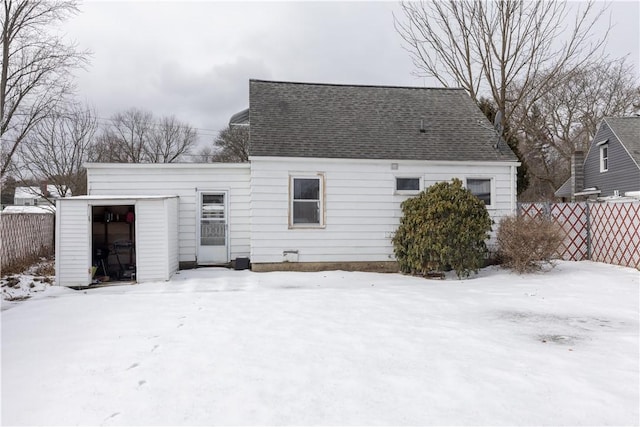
x: 35, y: 70
x: 134, y: 136
x: 57, y: 147
x: 565, y: 119
x: 231, y: 145
x: 487, y: 46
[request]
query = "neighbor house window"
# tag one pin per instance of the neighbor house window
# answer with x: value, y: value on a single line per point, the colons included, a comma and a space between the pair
x: 604, y: 158
x: 306, y: 201
x: 481, y: 188
x: 410, y: 185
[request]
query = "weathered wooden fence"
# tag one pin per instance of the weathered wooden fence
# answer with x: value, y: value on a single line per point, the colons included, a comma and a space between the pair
x: 604, y: 232
x: 25, y: 236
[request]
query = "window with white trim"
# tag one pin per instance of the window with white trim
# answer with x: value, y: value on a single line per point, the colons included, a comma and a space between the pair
x: 407, y: 185
x: 604, y: 157
x: 481, y: 188
x: 306, y: 201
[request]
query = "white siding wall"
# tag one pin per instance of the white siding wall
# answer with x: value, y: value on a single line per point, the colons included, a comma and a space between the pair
x: 152, y: 245
x: 73, y: 243
x: 362, y: 208
x: 183, y: 180
x: 171, y: 206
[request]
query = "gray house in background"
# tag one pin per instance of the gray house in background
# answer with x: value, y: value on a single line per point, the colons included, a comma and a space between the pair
x: 611, y: 167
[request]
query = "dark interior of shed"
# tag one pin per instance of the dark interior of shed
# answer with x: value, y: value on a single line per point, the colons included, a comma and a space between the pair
x: 113, y: 243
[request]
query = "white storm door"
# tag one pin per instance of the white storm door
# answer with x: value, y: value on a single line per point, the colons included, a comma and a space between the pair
x: 213, y: 236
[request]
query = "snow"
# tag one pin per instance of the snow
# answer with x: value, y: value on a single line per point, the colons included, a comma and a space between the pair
x: 35, y: 192
x: 18, y: 287
x: 223, y: 347
x: 18, y: 209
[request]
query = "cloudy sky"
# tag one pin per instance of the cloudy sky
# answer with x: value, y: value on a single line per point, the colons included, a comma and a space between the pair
x: 194, y: 59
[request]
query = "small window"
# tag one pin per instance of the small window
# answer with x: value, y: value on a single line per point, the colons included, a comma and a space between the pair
x: 481, y: 188
x: 408, y: 184
x: 306, y: 201
x: 604, y: 158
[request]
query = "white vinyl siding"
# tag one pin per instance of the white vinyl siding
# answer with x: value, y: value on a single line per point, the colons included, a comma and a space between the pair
x: 185, y: 181
x: 362, y: 205
x: 172, y: 234
x: 73, y: 243
x: 154, y: 239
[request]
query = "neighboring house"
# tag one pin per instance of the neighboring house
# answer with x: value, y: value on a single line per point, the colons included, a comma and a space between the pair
x: 240, y: 119
x: 329, y: 167
x: 37, y: 196
x: 611, y: 167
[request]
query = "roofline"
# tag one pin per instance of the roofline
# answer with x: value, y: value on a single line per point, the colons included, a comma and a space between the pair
x: 121, y: 197
x: 619, y: 139
x: 400, y: 161
x: 355, y: 85
x: 218, y: 165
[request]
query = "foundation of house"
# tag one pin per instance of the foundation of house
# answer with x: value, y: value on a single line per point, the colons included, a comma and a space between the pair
x: 373, y: 267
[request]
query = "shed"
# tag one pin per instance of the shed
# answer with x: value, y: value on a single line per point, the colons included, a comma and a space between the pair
x: 110, y: 238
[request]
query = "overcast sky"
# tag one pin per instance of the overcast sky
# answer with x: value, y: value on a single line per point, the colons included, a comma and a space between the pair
x: 195, y: 59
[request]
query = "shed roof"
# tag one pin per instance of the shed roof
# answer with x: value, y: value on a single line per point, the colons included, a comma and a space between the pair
x: 627, y: 129
x: 370, y: 122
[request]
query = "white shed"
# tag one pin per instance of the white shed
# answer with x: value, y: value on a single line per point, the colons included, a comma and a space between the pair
x: 131, y: 238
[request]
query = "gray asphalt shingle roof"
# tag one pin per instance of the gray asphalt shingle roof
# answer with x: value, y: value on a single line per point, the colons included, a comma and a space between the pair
x: 627, y: 129
x: 369, y: 122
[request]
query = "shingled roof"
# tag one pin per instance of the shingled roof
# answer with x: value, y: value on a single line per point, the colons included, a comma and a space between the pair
x: 627, y: 129
x: 369, y: 122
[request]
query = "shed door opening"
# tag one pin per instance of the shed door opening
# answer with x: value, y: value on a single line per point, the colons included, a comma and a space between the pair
x: 212, y: 236
x: 113, y: 243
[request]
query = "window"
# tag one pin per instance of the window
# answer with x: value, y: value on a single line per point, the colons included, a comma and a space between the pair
x: 408, y: 184
x: 604, y: 158
x: 306, y: 201
x: 481, y: 188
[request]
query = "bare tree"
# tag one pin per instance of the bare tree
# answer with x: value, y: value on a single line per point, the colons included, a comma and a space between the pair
x: 130, y: 132
x: 231, y: 145
x: 565, y: 119
x: 134, y: 136
x: 36, y: 68
x: 106, y: 149
x: 205, y: 155
x: 170, y: 140
x: 488, y: 47
x: 57, y: 147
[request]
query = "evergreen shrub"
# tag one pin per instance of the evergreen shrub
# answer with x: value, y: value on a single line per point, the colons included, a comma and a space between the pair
x: 442, y: 228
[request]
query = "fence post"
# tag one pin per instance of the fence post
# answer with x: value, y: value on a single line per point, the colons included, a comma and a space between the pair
x: 588, y: 214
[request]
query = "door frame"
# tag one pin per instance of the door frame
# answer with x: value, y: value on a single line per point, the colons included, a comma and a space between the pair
x: 199, y: 193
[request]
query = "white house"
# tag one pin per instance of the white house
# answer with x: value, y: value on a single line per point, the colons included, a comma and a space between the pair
x: 38, y: 195
x: 329, y: 166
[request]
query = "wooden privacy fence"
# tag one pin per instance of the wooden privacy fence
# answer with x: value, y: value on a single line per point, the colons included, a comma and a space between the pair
x: 25, y: 236
x: 604, y: 232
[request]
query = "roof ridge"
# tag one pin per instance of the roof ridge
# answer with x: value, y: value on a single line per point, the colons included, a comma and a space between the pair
x: 354, y: 85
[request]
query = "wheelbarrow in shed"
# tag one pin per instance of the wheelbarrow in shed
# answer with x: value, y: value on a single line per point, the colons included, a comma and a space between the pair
x: 132, y: 238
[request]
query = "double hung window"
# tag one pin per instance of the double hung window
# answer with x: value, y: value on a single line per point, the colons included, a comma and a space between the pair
x: 306, y: 201
x: 604, y: 157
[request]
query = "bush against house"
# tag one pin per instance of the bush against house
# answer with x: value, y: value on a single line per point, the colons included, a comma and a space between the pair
x: 443, y: 228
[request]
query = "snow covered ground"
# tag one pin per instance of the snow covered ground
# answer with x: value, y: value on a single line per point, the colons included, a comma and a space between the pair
x: 216, y: 346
